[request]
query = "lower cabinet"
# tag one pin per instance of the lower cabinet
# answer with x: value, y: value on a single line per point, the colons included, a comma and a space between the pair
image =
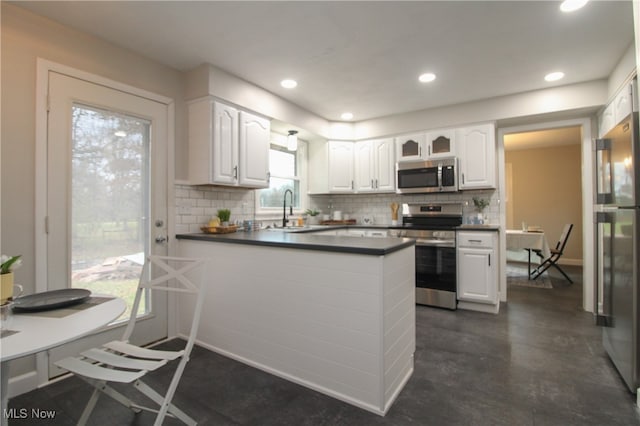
x: 477, y: 270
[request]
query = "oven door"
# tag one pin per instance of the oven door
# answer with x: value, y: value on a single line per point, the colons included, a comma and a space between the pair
x: 436, y: 275
x: 417, y: 180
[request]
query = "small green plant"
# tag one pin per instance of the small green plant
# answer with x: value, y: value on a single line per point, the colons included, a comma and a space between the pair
x: 312, y: 212
x: 224, y: 215
x: 480, y: 204
x: 9, y: 263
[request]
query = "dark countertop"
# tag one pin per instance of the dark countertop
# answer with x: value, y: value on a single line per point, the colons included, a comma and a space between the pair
x: 308, y: 241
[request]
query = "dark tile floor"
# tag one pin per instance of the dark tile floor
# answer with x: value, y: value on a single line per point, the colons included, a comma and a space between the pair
x: 539, y: 362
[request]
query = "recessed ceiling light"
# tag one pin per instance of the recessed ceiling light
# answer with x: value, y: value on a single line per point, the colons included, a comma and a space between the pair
x: 288, y: 83
x: 346, y: 116
x: 120, y: 133
x: 554, y: 76
x: 427, y: 77
x: 572, y: 5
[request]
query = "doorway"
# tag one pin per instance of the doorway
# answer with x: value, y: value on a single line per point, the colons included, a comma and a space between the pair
x: 546, y: 179
x: 103, y: 152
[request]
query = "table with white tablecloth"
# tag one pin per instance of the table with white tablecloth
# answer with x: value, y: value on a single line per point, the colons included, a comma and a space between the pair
x: 518, y: 240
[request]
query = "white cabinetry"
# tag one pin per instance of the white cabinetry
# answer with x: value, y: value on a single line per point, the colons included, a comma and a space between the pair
x: 411, y: 147
x: 617, y: 110
x: 255, y: 133
x: 476, y: 149
x: 341, y: 166
x: 477, y: 270
x: 227, y: 146
x: 606, y: 121
x: 441, y: 143
x: 433, y: 144
x: 375, y: 166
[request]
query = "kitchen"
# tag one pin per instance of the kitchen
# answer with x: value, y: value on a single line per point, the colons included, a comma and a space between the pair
x: 18, y: 223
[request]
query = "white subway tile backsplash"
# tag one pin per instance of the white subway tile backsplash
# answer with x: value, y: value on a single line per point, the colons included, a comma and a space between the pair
x: 196, y: 205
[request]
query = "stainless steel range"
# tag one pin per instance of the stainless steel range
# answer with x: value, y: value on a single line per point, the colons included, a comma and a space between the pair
x: 433, y: 228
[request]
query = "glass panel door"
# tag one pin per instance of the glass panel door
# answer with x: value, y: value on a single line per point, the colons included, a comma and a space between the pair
x: 106, y: 202
x: 109, y: 202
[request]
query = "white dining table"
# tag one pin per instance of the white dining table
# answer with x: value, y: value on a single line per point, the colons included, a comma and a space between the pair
x: 30, y: 333
x: 528, y: 240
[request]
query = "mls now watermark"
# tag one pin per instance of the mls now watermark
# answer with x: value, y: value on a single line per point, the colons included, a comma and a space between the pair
x: 28, y: 413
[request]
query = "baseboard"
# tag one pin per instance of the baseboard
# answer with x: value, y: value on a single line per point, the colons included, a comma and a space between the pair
x: 23, y: 383
x: 570, y: 262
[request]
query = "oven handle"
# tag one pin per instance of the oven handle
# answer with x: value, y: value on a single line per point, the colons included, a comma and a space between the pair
x: 424, y: 243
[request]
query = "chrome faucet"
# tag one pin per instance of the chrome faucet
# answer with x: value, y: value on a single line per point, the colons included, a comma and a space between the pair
x: 284, y: 207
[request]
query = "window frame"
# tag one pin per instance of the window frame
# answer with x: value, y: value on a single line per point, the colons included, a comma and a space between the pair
x: 301, y: 168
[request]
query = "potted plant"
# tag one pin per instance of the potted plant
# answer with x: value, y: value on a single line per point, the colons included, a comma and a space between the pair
x: 480, y: 204
x: 224, y: 215
x: 7, y: 265
x: 313, y: 216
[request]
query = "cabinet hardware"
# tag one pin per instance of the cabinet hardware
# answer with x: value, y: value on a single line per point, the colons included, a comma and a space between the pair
x: 372, y: 185
x: 463, y: 178
x: 489, y: 260
x: 235, y: 172
x: 161, y: 239
x: 475, y: 241
x: 429, y: 151
x: 376, y: 183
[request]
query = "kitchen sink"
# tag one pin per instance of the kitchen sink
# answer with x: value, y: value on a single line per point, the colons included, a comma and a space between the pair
x: 307, y: 228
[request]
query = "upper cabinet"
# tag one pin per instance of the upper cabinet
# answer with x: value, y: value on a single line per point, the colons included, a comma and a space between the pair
x: 441, y: 143
x: 426, y: 146
x: 375, y: 166
x: 340, y: 166
x: 227, y: 146
x: 411, y: 147
x: 476, y: 149
x: 254, y: 150
x: 620, y: 107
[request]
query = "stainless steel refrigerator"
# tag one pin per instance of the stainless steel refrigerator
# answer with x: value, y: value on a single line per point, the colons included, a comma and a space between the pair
x: 618, y: 246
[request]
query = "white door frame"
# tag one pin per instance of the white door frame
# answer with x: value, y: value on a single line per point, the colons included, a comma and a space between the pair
x: 43, y: 67
x: 588, y: 253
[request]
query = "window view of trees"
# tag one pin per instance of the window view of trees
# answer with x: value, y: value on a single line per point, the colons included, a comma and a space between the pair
x: 110, y: 199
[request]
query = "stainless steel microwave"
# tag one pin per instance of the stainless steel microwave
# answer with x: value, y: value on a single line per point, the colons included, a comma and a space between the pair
x: 415, y: 177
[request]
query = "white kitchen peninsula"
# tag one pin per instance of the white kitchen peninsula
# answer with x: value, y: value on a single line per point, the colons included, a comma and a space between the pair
x: 335, y: 314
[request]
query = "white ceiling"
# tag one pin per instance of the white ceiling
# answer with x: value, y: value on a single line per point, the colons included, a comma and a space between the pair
x: 365, y: 57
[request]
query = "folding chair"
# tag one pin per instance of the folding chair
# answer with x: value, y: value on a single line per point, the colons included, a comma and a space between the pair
x: 120, y: 361
x: 556, y: 254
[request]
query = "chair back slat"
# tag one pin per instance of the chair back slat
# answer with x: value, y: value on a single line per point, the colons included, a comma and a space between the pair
x: 169, y: 275
x: 564, y: 237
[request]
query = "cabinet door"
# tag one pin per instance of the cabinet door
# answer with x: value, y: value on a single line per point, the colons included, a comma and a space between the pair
x: 341, y: 166
x: 622, y: 103
x: 606, y: 121
x: 476, y: 275
x: 225, y: 144
x: 410, y: 147
x: 477, y: 152
x: 385, y: 178
x: 254, y: 150
x: 441, y: 143
x: 364, y: 159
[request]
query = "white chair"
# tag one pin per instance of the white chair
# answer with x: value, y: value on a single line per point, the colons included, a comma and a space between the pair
x: 120, y: 361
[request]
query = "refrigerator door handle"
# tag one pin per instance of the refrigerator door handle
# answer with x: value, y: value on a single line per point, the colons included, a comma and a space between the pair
x: 603, y: 287
x: 604, y: 183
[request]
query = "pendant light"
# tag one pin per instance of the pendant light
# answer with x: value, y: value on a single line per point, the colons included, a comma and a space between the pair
x: 292, y: 140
